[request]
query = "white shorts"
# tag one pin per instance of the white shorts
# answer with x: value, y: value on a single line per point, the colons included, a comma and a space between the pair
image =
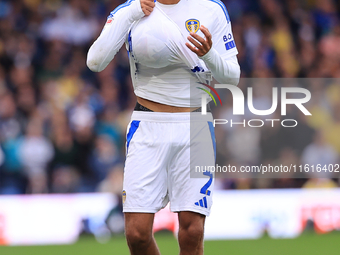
x: 162, y: 150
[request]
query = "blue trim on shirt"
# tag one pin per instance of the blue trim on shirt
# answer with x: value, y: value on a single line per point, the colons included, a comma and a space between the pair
x: 220, y: 3
x: 126, y: 4
x: 130, y: 42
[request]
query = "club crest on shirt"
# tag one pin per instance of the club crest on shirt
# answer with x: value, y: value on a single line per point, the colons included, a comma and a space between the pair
x: 192, y: 25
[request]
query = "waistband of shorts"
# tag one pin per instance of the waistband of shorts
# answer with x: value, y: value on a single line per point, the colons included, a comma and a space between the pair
x: 171, y: 117
x: 141, y: 108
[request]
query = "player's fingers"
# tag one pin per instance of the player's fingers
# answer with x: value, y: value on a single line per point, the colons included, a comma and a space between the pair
x: 147, y: 10
x: 203, y: 48
x: 198, y: 38
x: 193, y: 49
x: 147, y: 6
x: 150, y: 4
x: 147, y: 3
x: 194, y: 42
x: 207, y: 34
x: 198, y: 51
x: 147, y: 13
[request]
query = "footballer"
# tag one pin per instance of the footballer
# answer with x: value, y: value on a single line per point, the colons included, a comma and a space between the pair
x: 174, y: 47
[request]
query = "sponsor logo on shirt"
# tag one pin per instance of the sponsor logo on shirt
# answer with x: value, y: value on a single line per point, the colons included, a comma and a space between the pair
x: 230, y: 43
x: 192, y: 25
x: 109, y: 21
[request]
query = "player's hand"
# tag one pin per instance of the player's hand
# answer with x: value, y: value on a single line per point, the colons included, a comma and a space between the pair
x: 147, y: 6
x: 199, y: 45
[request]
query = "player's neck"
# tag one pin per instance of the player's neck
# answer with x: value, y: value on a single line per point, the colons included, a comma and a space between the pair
x: 168, y: 1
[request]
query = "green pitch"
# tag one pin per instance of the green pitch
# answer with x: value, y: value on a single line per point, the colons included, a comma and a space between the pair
x: 307, y: 244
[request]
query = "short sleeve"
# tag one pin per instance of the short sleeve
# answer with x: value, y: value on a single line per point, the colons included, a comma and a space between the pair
x: 222, y: 35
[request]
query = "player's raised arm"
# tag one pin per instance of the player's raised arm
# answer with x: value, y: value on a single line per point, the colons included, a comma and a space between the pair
x: 224, y: 67
x: 115, y: 32
x: 218, y: 50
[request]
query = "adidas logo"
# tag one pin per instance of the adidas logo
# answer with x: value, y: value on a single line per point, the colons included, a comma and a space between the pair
x: 202, y: 203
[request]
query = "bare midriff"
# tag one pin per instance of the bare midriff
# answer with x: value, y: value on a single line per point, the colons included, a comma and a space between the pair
x: 157, y: 107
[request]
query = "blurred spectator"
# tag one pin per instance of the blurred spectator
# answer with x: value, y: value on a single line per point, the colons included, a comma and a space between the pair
x: 319, y: 153
x: 11, y: 124
x: 65, y: 150
x: 114, y: 181
x: 104, y: 157
x: 65, y: 180
x: 332, y: 130
x: 36, y: 152
x: 240, y: 137
x: 72, y: 23
x: 11, y: 127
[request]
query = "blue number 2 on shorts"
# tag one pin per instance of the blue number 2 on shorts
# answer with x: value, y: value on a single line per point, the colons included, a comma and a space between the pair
x: 205, y: 188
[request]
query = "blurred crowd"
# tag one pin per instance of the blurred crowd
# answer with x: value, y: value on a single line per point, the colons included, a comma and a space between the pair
x: 296, y: 40
x: 62, y: 127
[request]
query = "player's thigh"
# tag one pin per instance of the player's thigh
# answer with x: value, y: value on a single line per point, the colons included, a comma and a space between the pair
x: 145, y: 175
x: 190, y: 188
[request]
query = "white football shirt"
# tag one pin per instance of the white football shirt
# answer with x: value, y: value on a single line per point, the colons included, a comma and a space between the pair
x: 161, y: 63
